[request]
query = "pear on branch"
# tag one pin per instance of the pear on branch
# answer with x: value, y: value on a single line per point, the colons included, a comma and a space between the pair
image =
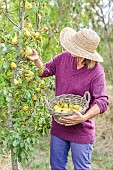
x: 20, y: 34
x: 45, y: 29
x: 28, y: 50
x: 27, y: 33
x: 38, y: 89
x: 28, y: 5
x: 15, y: 40
x: 16, y: 82
x: 30, y: 73
x: 34, y: 98
x: 25, y: 108
x: 42, y: 85
x: 28, y: 25
x: 33, y: 33
x: 2, y: 40
x: 13, y: 66
x: 38, y: 36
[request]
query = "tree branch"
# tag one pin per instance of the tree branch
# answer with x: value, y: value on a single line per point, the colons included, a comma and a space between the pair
x: 38, y: 21
x: 7, y: 15
x: 22, y: 16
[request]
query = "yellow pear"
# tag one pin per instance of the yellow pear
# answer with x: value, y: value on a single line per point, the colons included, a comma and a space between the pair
x: 38, y: 89
x: 26, y: 75
x: 42, y: 85
x: 25, y: 108
x: 14, y: 40
x: 20, y: 34
x: 65, y: 105
x: 2, y: 40
x: 70, y: 105
x: 38, y: 36
x: 28, y: 25
x: 30, y: 73
x: 28, y: 50
x: 13, y: 66
x: 33, y: 33
x: 57, y: 109
x: 16, y: 82
x: 45, y: 29
x: 66, y: 110
x: 26, y: 70
x: 27, y: 34
x: 28, y: 5
x: 60, y: 104
x: 77, y: 107
x: 34, y: 98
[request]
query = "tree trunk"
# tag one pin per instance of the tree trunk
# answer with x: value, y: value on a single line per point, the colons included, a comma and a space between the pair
x: 14, y: 162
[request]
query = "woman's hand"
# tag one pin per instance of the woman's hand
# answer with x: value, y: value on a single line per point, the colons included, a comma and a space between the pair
x: 76, y: 118
x: 32, y: 57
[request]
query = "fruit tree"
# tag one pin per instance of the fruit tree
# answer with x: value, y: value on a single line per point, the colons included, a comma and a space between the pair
x: 24, y: 116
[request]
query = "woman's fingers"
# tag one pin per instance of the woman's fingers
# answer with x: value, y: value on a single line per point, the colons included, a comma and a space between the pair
x: 67, y: 118
x: 32, y: 57
x: 34, y: 51
x: 27, y: 57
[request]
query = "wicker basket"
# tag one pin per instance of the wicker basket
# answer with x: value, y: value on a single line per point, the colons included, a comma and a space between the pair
x: 68, y: 98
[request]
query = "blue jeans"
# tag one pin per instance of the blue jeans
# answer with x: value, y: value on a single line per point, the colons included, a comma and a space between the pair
x: 81, y: 154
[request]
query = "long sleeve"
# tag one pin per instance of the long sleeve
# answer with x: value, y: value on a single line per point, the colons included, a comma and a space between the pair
x: 98, y: 88
x: 51, y: 67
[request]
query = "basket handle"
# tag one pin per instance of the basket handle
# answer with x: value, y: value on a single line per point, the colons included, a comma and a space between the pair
x: 87, y: 96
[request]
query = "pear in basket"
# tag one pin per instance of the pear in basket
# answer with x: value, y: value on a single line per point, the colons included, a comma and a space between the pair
x: 66, y: 110
x: 65, y: 105
x: 77, y: 107
x: 57, y: 109
x: 60, y: 104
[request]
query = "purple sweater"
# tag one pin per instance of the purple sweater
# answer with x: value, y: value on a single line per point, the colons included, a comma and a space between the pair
x: 69, y: 80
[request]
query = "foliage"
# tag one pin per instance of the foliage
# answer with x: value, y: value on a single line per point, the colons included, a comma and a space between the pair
x: 24, y: 116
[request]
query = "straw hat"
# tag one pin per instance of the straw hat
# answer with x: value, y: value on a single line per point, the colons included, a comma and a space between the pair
x: 82, y: 43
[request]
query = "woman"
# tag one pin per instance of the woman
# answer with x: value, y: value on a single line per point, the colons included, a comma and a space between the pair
x: 76, y: 70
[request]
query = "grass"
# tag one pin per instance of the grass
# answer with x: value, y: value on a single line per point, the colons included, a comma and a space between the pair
x: 40, y: 158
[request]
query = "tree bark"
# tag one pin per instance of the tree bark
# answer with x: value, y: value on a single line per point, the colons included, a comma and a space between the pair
x: 14, y: 162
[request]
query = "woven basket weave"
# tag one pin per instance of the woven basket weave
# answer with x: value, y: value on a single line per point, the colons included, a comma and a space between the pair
x: 68, y: 98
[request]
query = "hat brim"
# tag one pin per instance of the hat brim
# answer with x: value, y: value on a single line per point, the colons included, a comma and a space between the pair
x: 67, y: 41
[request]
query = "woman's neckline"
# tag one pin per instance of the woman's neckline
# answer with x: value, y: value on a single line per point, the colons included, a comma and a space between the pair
x: 74, y: 67
x: 77, y: 66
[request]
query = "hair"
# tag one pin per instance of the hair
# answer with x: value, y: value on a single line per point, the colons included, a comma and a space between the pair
x: 90, y: 64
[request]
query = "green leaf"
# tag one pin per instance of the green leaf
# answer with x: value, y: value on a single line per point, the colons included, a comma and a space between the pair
x: 15, y: 143
x: 14, y: 150
x: 23, y: 155
x: 8, y: 99
x: 28, y: 140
